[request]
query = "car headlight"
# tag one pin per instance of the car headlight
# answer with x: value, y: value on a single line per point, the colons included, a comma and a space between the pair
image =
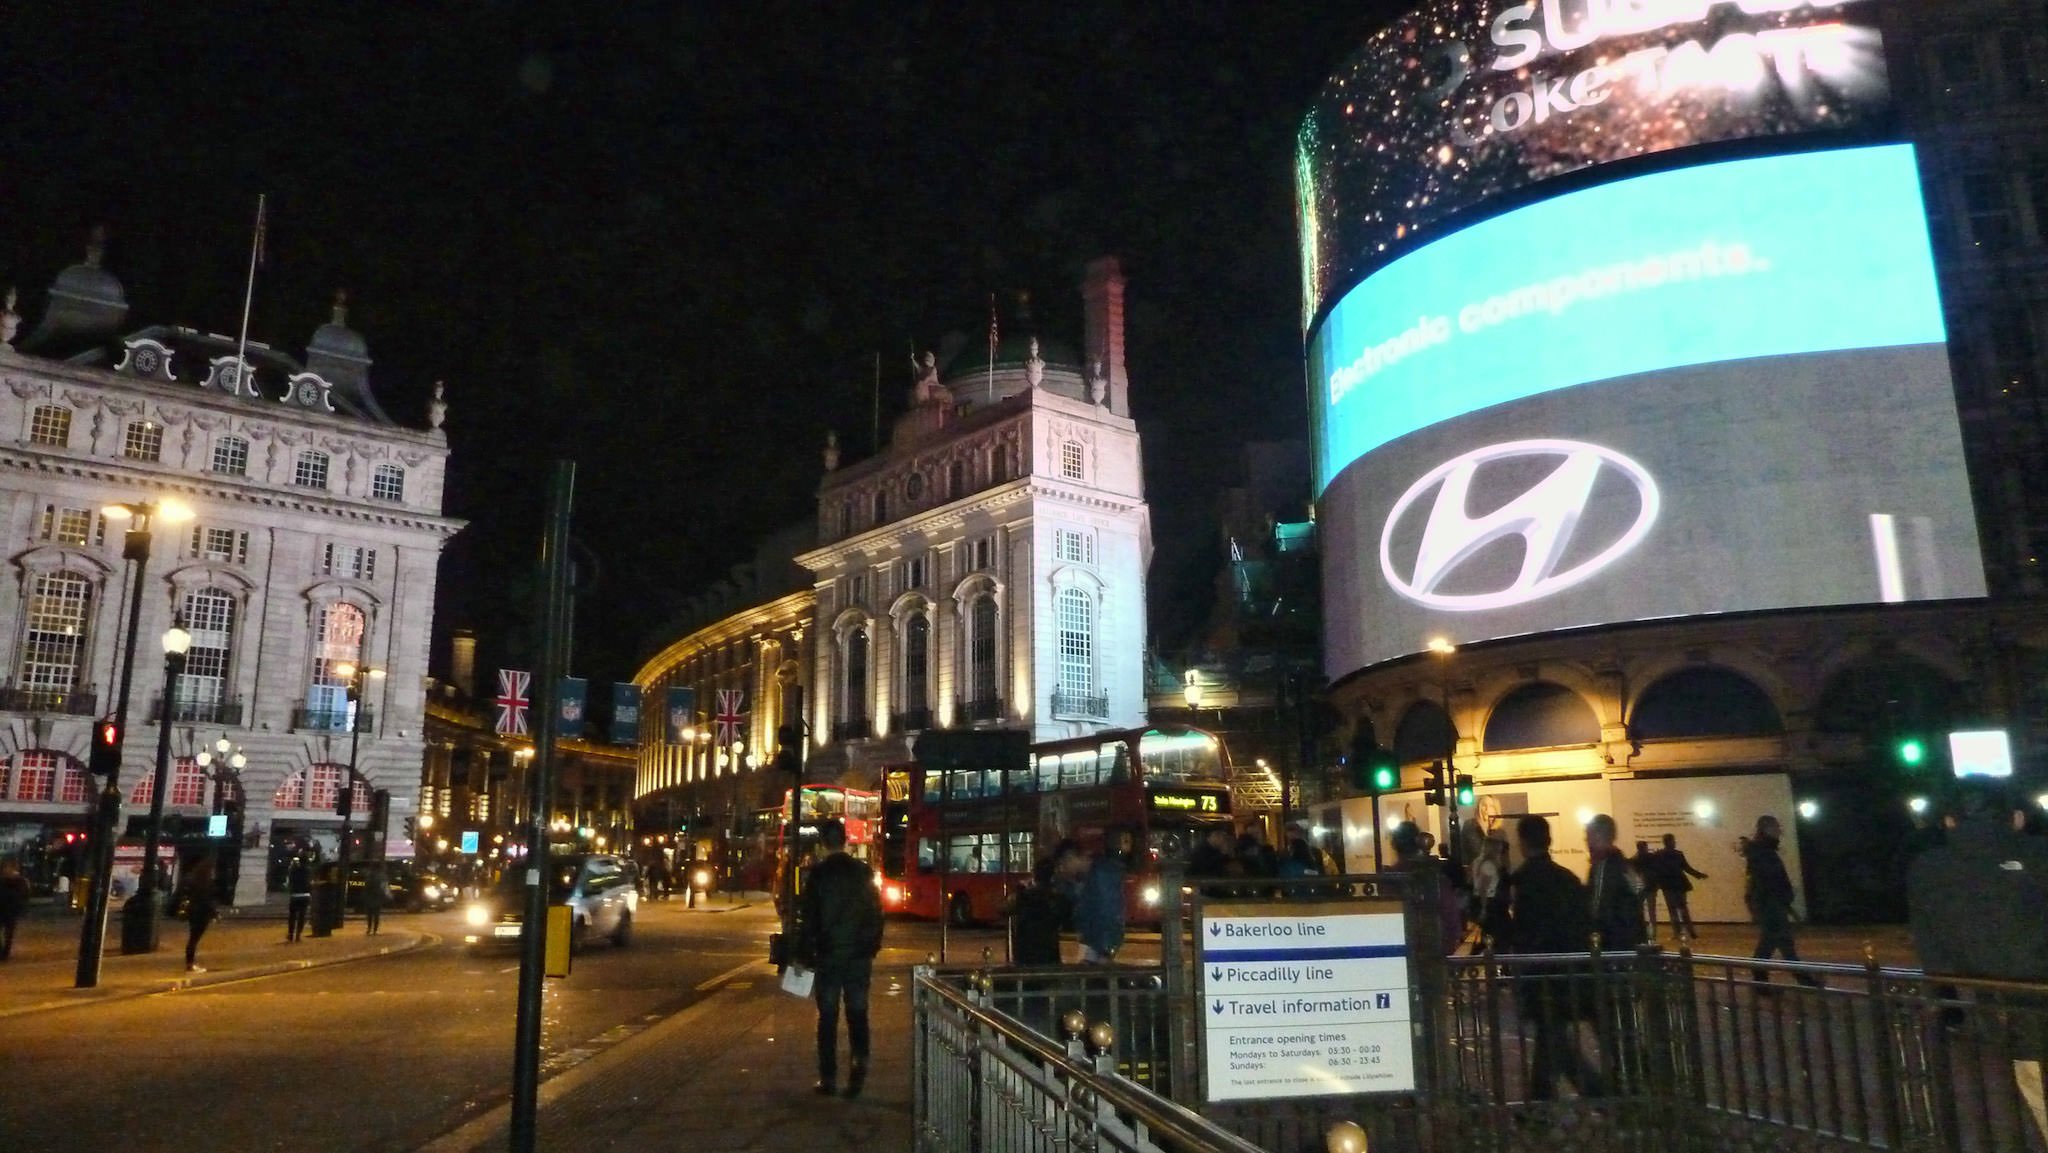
x: 701, y: 878
x: 431, y: 892
x: 479, y: 915
x: 1151, y: 894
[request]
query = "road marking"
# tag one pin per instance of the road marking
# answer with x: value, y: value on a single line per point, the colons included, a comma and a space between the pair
x: 728, y: 975
x: 509, y: 969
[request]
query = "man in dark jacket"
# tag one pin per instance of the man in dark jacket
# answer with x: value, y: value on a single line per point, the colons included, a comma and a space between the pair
x: 1673, y: 876
x: 839, y: 932
x: 1770, y: 897
x: 1976, y: 903
x: 1615, y: 892
x: 1549, y: 915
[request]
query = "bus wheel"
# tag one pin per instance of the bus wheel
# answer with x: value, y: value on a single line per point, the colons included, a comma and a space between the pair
x: 960, y: 911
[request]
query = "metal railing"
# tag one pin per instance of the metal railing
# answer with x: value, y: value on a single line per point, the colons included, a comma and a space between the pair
x: 1637, y: 1050
x: 72, y: 702
x: 984, y: 1082
x: 911, y: 721
x: 228, y: 712
x: 331, y: 720
x: 1068, y: 703
x: 852, y: 729
x: 985, y: 709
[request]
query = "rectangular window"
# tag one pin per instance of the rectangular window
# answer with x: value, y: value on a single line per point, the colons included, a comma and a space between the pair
x: 221, y: 545
x: 1988, y: 208
x: 50, y: 425
x: 67, y: 525
x: 1076, y: 628
x: 54, y: 644
x: 210, y: 617
x: 349, y: 560
x: 857, y: 589
x: 1073, y: 465
x: 387, y: 483
x: 311, y: 470
x: 144, y: 440
x: 38, y: 777
x: 914, y: 572
x: 985, y: 553
x: 1073, y: 546
x: 231, y: 456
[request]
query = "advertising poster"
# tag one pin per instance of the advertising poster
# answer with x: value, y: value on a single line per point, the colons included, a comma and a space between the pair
x: 1704, y: 816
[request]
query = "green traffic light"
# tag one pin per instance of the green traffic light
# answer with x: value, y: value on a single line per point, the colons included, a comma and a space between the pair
x: 1911, y: 752
x: 1384, y: 778
x: 1467, y: 795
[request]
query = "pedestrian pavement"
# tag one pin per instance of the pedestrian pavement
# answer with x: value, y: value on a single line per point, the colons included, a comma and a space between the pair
x: 42, y: 972
x: 731, y: 1074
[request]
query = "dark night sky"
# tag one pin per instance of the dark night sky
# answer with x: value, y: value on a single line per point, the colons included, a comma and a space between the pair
x: 666, y: 240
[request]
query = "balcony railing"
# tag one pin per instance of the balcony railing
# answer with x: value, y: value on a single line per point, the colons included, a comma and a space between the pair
x: 911, y: 721
x: 1091, y: 706
x: 75, y: 702
x: 228, y: 712
x: 852, y: 729
x: 320, y: 720
x: 986, y: 709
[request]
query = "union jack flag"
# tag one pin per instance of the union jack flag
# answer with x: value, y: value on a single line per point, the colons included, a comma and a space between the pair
x: 731, y: 715
x: 512, y: 702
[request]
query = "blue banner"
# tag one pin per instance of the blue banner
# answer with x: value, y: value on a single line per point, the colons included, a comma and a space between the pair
x: 625, y: 714
x: 570, y: 706
x: 680, y: 715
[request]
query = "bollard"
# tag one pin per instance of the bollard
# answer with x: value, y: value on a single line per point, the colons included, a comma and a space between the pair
x: 1345, y: 1137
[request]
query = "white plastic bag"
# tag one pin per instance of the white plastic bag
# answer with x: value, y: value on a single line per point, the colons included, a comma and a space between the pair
x: 796, y: 981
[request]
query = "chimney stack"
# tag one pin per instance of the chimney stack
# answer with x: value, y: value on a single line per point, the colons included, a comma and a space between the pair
x: 1102, y: 297
x: 465, y: 662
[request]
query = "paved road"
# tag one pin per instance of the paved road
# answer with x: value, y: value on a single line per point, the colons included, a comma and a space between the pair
x: 382, y: 1054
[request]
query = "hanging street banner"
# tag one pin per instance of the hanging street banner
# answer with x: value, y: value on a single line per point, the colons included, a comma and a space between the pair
x: 1304, y: 1000
x: 730, y: 720
x: 680, y: 714
x: 514, y: 689
x: 625, y: 714
x: 571, y: 703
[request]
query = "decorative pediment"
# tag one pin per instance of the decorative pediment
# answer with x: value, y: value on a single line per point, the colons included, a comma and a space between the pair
x: 309, y: 390
x: 29, y: 388
x: 231, y: 375
x: 146, y: 358
x: 53, y: 558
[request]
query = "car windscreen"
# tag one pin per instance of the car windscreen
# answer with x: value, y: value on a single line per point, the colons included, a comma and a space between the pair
x: 561, y: 878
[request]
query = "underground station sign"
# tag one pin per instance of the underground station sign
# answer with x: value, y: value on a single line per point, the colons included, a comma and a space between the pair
x: 1305, y: 1000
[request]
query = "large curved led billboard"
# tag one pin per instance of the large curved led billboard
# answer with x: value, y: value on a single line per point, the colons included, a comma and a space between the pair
x: 1462, y: 101
x: 1713, y: 389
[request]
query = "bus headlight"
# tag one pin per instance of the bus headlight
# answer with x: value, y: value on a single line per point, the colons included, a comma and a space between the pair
x: 479, y: 915
x: 1151, y: 894
x: 892, y: 894
x: 701, y: 878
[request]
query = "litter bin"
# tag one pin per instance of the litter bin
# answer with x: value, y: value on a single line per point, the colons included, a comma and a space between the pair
x: 327, y: 898
x: 139, y: 917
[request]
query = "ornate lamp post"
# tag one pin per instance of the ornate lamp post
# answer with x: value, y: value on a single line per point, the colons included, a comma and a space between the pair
x: 231, y: 757
x: 144, y: 912
x: 92, y: 934
x: 356, y: 676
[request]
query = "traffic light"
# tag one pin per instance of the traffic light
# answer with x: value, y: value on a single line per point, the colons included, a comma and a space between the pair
x: 1912, y: 752
x: 344, y: 800
x: 1467, y: 794
x: 1434, y: 786
x: 105, y: 758
x: 789, y: 750
x: 412, y: 826
x: 1373, y: 769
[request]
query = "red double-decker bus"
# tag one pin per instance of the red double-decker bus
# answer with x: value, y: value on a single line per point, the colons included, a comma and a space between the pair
x: 802, y: 810
x: 970, y: 833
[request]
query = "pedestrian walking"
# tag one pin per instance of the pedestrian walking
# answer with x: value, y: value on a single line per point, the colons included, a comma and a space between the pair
x: 839, y: 931
x: 1411, y: 855
x: 1975, y: 904
x: 1673, y: 876
x: 1099, y: 901
x: 1549, y: 915
x: 1770, y: 896
x: 13, y: 903
x: 1615, y: 900
x: 1490, y: 893
x: 374, y: 895
x: 196, y: 891
x: 298, y: 885
x: 1040, y: 908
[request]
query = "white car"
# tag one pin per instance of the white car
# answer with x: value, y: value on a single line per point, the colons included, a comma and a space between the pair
x: 595, y: 886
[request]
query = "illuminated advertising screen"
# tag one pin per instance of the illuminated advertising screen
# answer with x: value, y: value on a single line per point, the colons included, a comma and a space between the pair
x: 1715, y: 389
x: 1465, y: 100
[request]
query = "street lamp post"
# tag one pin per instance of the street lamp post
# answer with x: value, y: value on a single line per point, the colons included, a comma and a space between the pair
x: 233, y: 760
x: 143, y: 913
x: 92, y: 934
x: 355, y: 675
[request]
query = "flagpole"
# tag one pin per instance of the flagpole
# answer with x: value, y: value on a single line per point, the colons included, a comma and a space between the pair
x: 989, y: 396
x: 875, y: 433
x: 242, y: 374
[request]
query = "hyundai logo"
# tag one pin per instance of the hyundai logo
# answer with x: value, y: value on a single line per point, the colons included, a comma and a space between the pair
x: 1575, y: 517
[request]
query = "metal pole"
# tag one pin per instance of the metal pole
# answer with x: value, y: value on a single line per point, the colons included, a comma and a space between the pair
x: 92, y: 935
x: 348, y: 796
x: 533, y: 939
x: 174, y: 664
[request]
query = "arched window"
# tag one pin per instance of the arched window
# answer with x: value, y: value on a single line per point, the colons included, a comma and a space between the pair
x: 188, y: 785
x: 917, y: 663
x: 38, y: 776
x: 210, y: 616
x: 338, y: 641
x: 854, y: 684
x: 1541, y: 715
x: 1703, y: 702
x: 312, y: 789
x: 1074, y: 613
x: 983, y: 683
x: 54, y: 644
x: 913, y: 486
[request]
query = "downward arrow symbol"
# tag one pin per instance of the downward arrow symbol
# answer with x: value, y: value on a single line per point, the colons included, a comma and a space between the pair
x: 1214, y: 929
x: 1216, y: 1007
x: 1215, y: 974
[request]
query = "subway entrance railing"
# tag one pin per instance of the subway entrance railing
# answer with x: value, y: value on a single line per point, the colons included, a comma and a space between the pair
x: 1646, y: 1050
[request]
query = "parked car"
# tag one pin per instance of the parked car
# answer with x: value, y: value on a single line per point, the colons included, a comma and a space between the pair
x: 407, y: 888
x: 596, y: 887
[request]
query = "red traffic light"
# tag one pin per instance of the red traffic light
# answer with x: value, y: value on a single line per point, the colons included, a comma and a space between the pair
x: 109, y: 734
x: 105, y: 759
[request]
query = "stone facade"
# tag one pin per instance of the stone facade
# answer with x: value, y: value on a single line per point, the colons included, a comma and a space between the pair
x: 315, y: 540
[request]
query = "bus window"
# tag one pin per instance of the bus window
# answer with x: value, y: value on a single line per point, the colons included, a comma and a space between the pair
x: 1113, y: 763
x: 1190, y: 756
x: 1077, y: 770
x: 927, y: 855
x: 934, y: 787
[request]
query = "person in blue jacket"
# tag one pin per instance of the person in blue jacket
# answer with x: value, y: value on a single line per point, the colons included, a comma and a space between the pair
x: 1099, y: 899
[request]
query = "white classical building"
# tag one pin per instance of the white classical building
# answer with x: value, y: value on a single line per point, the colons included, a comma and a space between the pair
x: 316, y: 533
x: 988, y: 567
